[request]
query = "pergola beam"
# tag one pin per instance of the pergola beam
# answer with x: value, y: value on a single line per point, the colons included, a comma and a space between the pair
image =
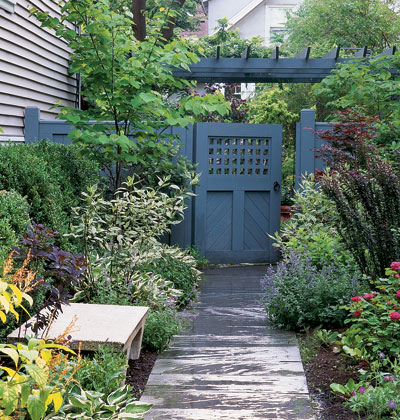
x: 300, y: 69
x: 259, y: 70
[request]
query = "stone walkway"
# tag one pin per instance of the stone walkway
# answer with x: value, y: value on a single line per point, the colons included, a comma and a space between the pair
x: 229, y: 365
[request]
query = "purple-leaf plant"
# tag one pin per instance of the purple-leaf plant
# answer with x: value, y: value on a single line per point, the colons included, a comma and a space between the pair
x: 62, y: 271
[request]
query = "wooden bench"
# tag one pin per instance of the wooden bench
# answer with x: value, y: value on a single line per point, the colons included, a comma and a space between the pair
x: 121, y: 327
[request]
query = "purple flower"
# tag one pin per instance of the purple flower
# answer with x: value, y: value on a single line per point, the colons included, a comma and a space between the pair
x: 361, y: 390
x: 392, y: 404
x: 381, y: 355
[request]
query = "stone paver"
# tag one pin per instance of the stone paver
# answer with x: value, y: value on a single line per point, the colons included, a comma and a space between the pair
x: 229, y: 365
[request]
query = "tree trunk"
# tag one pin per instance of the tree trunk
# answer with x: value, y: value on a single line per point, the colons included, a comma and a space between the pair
x: 168, y: 30
x: 139, y: 19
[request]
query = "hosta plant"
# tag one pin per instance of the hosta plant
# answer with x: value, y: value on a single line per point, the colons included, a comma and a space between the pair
x: 88, y: 405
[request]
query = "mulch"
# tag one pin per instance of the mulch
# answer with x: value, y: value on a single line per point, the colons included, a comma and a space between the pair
x: 327, y: 368
x: 139, y: 371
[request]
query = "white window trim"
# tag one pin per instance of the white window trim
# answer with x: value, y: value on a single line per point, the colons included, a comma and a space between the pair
x: 4, y: 138
x: 267, y: 27
x: 8, y: 5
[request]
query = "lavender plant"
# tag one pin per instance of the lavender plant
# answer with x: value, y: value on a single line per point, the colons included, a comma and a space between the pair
x: 298, y: 295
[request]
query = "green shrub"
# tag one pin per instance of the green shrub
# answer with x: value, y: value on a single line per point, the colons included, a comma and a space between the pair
x: 312, y: 227
x: 299, y: 295
x: 50, y: 176
x: 178, y: 268
x: 104, y: 372
x: 15, y: 209
x: 120, y: 234
x: 159, y: 328
x: 14, y: 219
x: 8, y: 239
x: 72, y: 172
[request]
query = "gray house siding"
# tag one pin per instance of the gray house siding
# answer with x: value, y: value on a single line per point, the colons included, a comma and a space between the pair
x: 33, y: 67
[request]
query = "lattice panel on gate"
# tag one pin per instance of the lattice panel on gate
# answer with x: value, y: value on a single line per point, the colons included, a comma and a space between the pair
x: 238, y: 156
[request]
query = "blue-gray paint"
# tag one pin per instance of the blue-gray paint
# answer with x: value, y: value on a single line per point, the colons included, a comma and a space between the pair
x: 307, y: 141
x: 36, y: 129
x: 300, y: 69
x: 242, y: 184
x: 236, y: 205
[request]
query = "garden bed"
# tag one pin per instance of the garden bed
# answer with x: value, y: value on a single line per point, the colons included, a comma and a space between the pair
x: 139, y: 371
x: 322, y: 369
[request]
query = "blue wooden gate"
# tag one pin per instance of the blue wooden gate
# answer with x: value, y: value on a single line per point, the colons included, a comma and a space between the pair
x: 238, y: 201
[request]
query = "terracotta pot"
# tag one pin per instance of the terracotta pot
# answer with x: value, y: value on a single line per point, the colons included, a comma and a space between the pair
x: 286, y: 212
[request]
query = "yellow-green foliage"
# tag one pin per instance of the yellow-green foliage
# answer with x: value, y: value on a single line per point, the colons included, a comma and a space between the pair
x: 270, y: 107
x: 11, y: 295
x: 32, y: 384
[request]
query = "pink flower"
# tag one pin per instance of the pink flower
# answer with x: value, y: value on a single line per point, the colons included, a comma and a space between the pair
x: 394, y: 316
x: 388, y: 303
x: 397, y: 276
x: 368, y: 296
x: 357, y: 314
x: 356, y: 298
x: 398, y: 294
x: 395, y: 265
x: 361, y: 390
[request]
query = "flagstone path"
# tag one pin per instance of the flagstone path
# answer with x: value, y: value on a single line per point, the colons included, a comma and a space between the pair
x: 229, y: 365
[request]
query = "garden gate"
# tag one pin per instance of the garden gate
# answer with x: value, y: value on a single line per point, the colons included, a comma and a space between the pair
x: 237, y: 203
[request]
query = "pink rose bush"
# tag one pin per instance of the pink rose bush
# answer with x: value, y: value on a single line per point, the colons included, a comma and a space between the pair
x: 374, y: 319
x: 394, y: 316
x: 395, y: 266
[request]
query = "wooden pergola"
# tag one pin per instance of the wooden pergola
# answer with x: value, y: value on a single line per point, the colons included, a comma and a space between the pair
x: 299, y: 69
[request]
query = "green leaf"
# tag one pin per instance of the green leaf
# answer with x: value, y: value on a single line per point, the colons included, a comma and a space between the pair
x: 339, y: 389
x: 39, y: 375
x: 77, y: 402
x: 33, y: 342
x: 25, y: 392
x: 11, y: 353
x: 118, y: 396
x: 137, y: 408
x: 10, y: 398
x: 36, y: 407
x: 31, y: 355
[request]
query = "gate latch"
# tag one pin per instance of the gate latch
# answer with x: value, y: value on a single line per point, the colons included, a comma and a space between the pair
x: 277, y: 186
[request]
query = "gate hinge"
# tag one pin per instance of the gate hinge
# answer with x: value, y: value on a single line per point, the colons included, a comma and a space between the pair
x: 277, y: 186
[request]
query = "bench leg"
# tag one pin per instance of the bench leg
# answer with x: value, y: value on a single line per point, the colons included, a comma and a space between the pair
x: 133, y: 351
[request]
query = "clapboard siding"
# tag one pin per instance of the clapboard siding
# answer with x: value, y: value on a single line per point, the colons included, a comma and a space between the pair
x: 33, y: 66
x: 25, y: 66
x: 62, y: 82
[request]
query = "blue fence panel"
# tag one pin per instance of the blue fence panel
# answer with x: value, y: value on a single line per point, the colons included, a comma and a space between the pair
x: 307, y: 141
